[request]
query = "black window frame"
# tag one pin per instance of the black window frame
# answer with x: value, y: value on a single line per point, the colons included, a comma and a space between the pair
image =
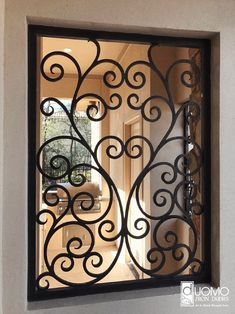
x: 205, y: 46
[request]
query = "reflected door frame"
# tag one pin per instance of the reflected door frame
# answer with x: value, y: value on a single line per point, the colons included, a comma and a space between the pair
x: 127, y: 178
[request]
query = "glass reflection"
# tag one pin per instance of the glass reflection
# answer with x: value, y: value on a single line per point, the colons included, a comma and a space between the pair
x: 120, y: 184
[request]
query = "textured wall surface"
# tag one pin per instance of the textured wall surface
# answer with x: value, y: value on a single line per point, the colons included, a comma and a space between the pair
x: 201, y: 18
x: 2, y: 3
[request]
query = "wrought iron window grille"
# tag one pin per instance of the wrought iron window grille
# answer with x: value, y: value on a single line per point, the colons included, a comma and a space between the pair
x: 146, y: 224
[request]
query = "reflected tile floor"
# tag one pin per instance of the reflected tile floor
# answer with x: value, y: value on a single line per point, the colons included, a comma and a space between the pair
x: 120, y: 272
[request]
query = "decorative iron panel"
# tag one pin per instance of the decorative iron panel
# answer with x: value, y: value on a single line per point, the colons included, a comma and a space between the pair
x: 163, y: 210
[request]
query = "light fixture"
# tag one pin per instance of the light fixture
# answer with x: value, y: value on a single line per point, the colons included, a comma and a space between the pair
x: 68, y: 50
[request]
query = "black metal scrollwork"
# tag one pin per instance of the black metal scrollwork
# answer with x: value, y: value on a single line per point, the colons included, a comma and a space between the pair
x: 148, y: 224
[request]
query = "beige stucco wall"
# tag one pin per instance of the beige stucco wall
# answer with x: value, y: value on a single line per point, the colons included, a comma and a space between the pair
x: 183, y: 18
x: 2, y: 7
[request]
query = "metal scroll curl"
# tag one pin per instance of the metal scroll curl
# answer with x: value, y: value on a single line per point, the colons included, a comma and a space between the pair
x: 165, y: 243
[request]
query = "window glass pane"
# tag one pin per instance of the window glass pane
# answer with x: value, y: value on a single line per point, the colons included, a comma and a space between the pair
x: 120, y: 173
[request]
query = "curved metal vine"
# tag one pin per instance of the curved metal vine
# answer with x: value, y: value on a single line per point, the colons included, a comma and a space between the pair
x: 163, y: 241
